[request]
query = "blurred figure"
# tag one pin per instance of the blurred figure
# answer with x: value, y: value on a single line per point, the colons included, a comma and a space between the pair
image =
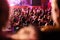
x: 55, y: 12
x: 4, y: 17
x: 55, y: 16
x: 26, y: 33
x: 4, y: 13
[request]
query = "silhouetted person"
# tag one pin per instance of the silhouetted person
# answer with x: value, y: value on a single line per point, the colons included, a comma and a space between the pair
x: 4, y: 13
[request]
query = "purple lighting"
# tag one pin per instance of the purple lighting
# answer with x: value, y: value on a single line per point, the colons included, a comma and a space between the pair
x: 20, y: 2
x: 13, y: 2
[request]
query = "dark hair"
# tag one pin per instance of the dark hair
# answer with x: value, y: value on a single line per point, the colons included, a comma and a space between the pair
x: 58, y: 3
x: 4, y: 12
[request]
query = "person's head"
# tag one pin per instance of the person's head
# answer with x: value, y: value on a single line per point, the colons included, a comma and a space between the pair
x: 27, y: 33
x: 4, y: 13
x: 56, y: 11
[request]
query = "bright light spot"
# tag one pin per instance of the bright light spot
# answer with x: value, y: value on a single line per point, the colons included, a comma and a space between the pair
x: 13, y: 2
x: 50, y: 0
x: 20, y: 2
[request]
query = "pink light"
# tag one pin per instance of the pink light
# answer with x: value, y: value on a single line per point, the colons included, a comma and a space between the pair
x: 13, y: 2
x: 50, y: 0
x: 20, y: 2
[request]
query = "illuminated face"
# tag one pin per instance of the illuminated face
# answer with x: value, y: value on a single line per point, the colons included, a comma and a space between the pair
x: 55, y: 12
x: 26, y: 33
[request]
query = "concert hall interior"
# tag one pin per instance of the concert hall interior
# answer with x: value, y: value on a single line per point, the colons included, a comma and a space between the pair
x: 30, y: 19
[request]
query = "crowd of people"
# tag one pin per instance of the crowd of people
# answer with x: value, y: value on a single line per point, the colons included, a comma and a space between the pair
x: 36, y: 16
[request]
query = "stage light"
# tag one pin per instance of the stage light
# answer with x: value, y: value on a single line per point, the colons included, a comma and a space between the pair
x: 20, y: 2
x: 13, y: 2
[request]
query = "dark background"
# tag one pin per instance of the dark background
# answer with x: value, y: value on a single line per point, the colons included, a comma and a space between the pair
x: 36, y: 2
